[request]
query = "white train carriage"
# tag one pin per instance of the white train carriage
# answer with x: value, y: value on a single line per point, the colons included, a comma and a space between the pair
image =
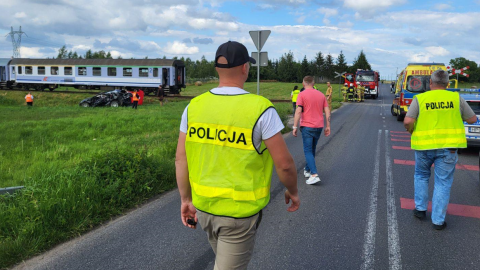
x: 104, y: 74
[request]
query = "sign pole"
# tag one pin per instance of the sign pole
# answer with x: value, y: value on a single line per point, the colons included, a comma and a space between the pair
x: 258, y: 66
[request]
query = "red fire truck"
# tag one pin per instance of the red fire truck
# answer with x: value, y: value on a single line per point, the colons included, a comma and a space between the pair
x: 367, y: 78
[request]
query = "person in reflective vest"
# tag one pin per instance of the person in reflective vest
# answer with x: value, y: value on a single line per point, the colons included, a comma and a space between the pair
x: 229, y: 141
x: 135, y: 99
x: 435, y: 120
x: 294, y: 96
x: 328, y: 95
x: 344, y: 91
x: 29, y: 99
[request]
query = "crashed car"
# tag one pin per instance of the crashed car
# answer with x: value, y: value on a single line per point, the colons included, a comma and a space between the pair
x: 113, y: 98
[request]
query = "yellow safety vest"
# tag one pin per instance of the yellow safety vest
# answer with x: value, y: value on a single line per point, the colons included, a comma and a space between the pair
x: 439, y: 123
x: 228, y: 175
x: 295, y: 95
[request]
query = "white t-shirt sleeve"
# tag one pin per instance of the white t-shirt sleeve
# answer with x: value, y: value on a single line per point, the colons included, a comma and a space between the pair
x: 267, y: 126
x: 184, y: 122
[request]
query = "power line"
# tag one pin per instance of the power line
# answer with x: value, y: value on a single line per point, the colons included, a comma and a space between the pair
x: 16, y: 43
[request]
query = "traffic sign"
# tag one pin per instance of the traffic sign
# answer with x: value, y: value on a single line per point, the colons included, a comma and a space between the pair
x: 339, y: 74
x: 259, y: 38
x: 459, y: 71
x: 263, y: 58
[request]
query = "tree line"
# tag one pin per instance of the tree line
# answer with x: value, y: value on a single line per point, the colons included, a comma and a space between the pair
x: 285, y: 69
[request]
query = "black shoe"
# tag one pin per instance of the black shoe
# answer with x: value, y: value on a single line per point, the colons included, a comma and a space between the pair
x: 440, y: 227
x: 419, y: 214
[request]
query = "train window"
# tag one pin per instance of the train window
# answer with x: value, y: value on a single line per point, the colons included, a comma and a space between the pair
x: 19, y: 69
x: 155, y: 72
x: 97, y: 71
x: 54, y: 70
x: 112, y: 71
x: 13, y: 70
x: 28, y: 70
x: 68, y: 71
x: 127, y: 72
x: 41, y: 70
x: 143, y: 72
x: 82, y: 71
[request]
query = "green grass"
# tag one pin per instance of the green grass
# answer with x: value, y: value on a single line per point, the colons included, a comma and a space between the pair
x: 80, y: 166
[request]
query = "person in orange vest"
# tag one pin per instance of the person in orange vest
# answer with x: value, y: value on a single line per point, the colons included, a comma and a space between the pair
x: 136, y: 98
x: 29, y: 99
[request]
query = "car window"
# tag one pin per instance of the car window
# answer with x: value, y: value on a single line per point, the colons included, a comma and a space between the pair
x: 475, y: 105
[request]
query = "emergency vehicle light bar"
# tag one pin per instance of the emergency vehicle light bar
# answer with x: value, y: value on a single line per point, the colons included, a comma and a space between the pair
x: 464, y: 90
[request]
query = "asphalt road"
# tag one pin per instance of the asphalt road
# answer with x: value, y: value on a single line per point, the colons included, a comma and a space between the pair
x: 353, y: 219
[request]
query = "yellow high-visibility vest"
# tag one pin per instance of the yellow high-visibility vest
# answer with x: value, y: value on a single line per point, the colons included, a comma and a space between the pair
x: 228, y: 175
x: 439, y: 123
x: 295, y: 95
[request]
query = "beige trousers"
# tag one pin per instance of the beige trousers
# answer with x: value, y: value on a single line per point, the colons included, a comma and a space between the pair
x: 232, y: 239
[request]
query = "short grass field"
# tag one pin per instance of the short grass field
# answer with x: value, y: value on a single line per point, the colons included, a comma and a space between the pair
x: 83, y: 166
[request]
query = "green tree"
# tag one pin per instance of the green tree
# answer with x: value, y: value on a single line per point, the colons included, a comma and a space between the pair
x: 287, y: 68
x: 329, y: 67
x: 360, y: 62
x: 304, y: 69
x: 62, y: 52
x: 319, y: 63
x: 341, y: 64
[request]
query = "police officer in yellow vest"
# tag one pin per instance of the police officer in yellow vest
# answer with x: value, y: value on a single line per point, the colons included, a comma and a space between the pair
x: 435, y: 120
x: 228, y: 143
x: 294, y: 96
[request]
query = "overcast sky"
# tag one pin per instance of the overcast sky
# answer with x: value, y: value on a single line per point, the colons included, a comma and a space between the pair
x: 391, y: 32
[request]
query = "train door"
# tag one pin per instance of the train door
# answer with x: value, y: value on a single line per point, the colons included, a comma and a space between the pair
x: 166, y: 77
x: 180, y: 77
x: 3, y: 74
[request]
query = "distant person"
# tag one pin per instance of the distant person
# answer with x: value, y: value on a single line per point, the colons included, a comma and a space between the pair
x: 328, y: 94
x: 228, y: 142
x: 294, y: 96
x: 135, y: 98
x: 310, y: 107
x: 161, y: 95
x: 435, y: 120
x: 29, y: 99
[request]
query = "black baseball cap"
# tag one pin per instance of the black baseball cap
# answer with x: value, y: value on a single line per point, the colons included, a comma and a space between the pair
x: 235, y: 53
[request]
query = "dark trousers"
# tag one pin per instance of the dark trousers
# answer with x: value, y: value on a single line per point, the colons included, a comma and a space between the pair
x: 294, y: 107
x: 30, y: 103
x: 135, y: 104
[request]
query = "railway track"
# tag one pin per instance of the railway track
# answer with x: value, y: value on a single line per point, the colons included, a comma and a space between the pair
x: 97, y: 92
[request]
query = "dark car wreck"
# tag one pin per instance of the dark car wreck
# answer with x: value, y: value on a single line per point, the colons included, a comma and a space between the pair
x: 113, y: 98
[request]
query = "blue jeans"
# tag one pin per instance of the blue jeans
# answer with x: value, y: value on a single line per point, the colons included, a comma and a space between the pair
x: 310, y: 138
x: 445, y: 162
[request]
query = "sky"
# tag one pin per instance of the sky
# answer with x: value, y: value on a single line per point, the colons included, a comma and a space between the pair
x: 392, y: 33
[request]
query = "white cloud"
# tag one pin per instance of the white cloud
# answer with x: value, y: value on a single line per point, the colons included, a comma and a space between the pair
x: 419, y: 58
x: 178, y: 48
x: 365, y: 8
x: 442, y: 7
x: 20, y: 15
x: 347, y: 24
x: 328, y: 12
x: 301, y: 19
x: 28, y: 52
x: 437, y: 51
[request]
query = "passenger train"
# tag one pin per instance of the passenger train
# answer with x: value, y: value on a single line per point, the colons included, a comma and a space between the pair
x: 104, y: 74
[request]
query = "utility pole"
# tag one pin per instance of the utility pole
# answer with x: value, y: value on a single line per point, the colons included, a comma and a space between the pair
x: 16, y: 43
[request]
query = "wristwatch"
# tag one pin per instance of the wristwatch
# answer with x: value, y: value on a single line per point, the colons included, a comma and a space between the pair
x: 294, y: 127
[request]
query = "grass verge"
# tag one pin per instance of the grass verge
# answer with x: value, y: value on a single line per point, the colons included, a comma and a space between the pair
x: 80, y: 166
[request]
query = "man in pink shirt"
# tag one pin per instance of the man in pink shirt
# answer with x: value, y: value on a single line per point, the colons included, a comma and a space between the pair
x: 310, y: 107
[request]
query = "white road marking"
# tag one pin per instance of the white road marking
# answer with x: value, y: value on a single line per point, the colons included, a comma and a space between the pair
x: 369, y: 245
x: 395, y: 258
